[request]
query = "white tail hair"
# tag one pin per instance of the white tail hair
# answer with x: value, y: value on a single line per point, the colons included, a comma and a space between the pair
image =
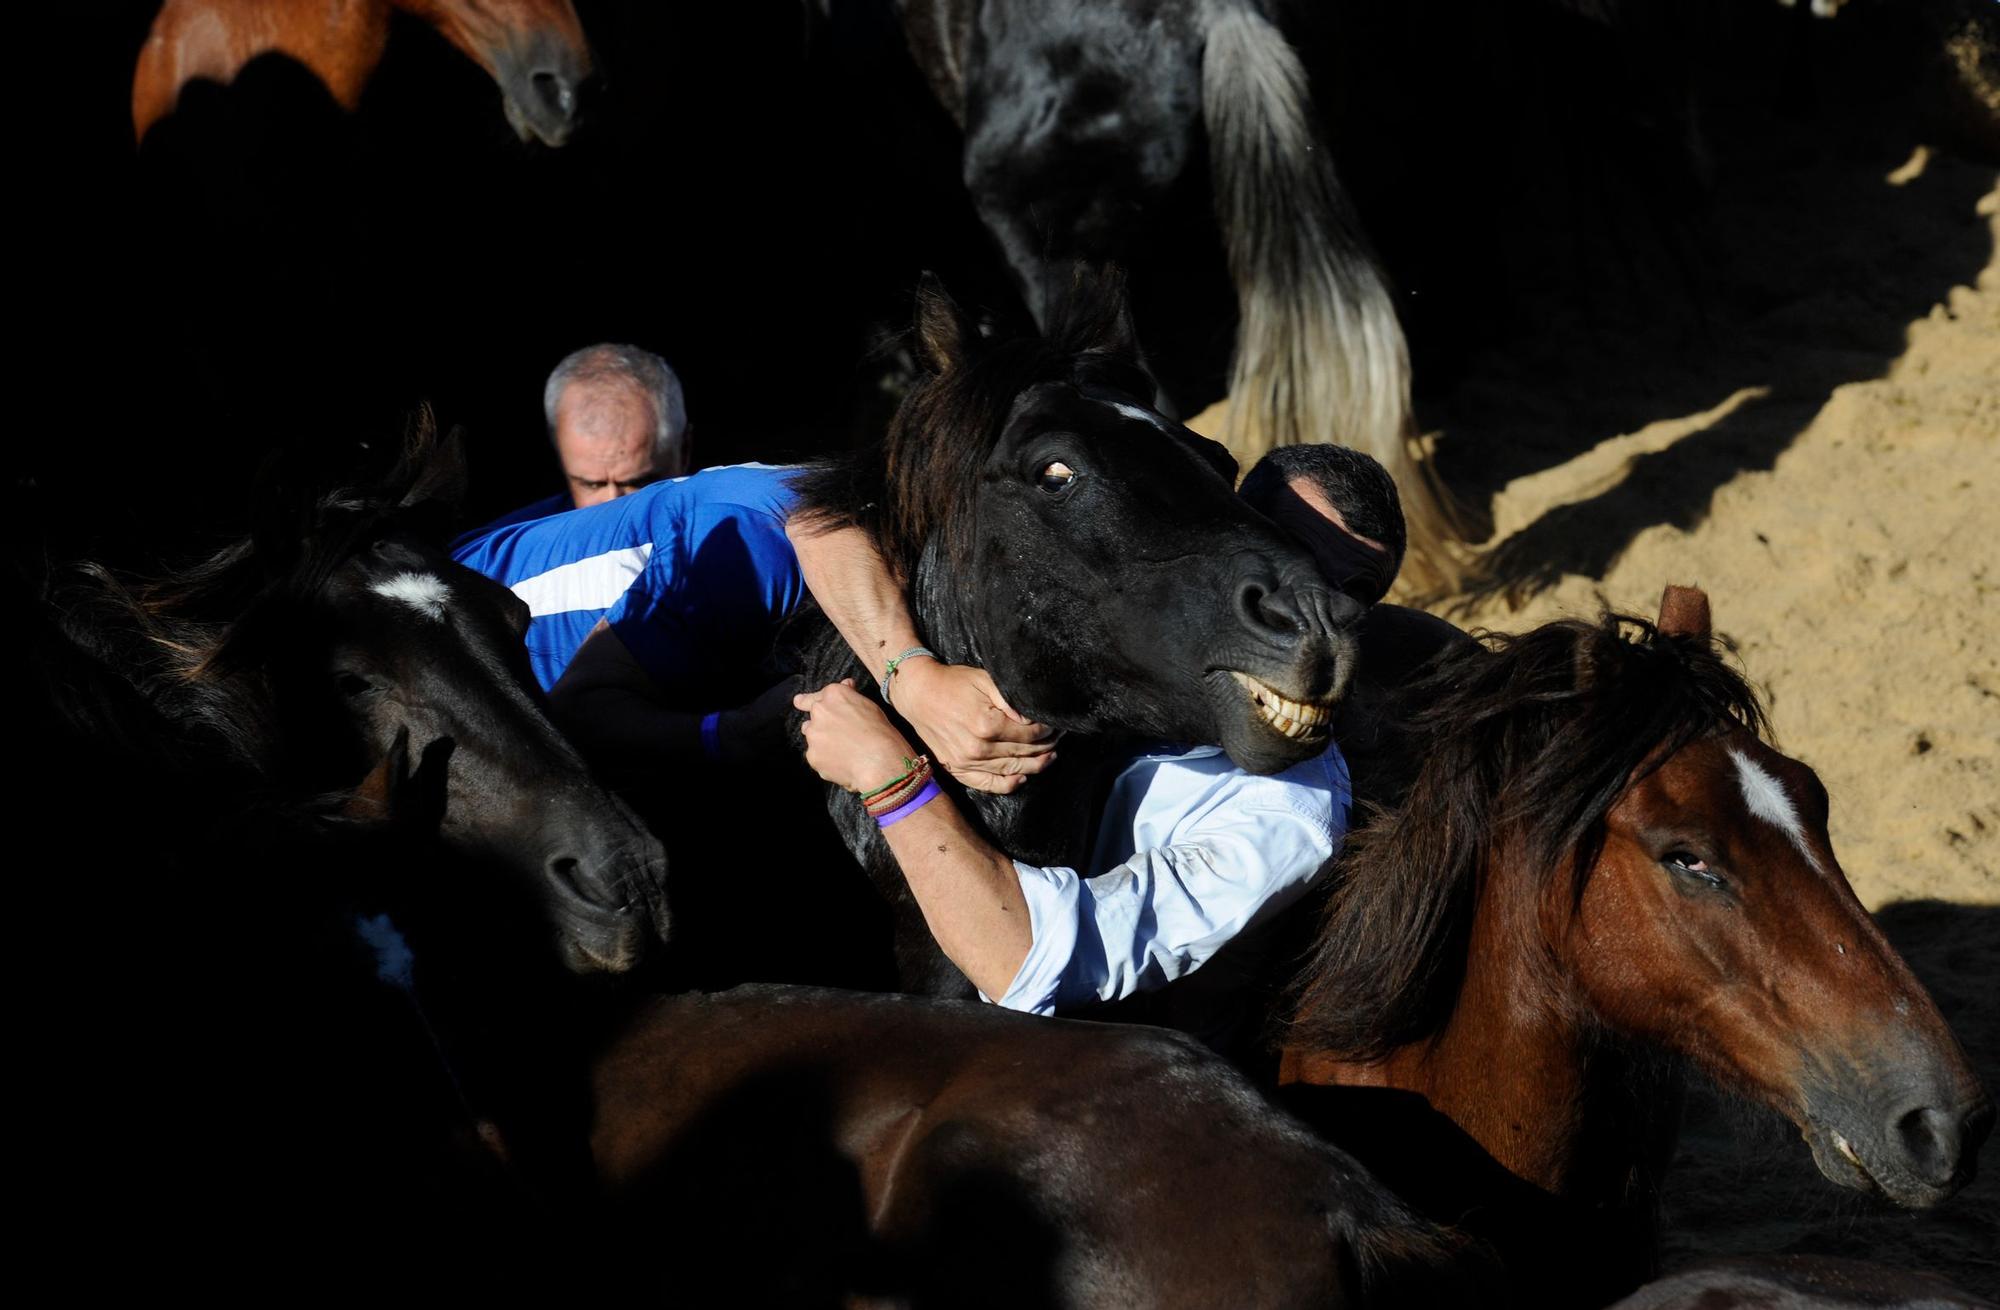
x: 1319, y: 353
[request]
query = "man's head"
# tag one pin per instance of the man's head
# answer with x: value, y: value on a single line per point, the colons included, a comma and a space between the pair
x: 1342, y: 505
x: 618, y: 421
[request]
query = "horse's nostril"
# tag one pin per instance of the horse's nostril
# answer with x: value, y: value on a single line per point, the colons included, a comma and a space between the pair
x: 1271, y: 609
x: 555, y: 93
x: 566, y: 872
x: 1931, y: 1140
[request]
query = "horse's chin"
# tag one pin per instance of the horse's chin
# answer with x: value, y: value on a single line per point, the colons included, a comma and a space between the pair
x: 1844, y: 1161
x: 530, y: 128
x: 1263, y: 731
x: 589, y: 950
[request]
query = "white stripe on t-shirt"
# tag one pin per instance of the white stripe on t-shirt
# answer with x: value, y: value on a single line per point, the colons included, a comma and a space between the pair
x: 595, y: 583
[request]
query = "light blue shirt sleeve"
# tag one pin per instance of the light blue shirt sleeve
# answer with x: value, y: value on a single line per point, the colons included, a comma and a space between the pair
x: 1193, y: 850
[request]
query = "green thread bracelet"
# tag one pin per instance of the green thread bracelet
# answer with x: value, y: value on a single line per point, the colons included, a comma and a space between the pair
x: 912, y: 765
x: 889, y: 674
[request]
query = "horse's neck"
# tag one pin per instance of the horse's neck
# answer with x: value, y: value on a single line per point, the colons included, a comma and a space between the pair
x: 1049, y: 821
x: 1524, y: 1074
x: 340, y: 41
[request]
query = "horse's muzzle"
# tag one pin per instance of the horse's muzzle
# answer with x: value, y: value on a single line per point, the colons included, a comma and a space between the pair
x: 1916, y: 1145
x: 608, y: 910
x: 541, y: 86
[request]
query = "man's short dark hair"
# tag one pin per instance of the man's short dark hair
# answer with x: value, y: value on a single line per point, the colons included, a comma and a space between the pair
x: 1353, y: 483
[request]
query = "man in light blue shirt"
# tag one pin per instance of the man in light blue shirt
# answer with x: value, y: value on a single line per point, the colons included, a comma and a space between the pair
x: 1190, y: 851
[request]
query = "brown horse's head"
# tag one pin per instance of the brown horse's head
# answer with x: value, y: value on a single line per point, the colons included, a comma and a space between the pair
x: 1596, y: 821
x: 1716, y: 922
x: 533, y: 48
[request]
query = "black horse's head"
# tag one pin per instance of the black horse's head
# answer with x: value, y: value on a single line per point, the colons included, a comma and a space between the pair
x: 343, y: 643
x: 1092, y: 554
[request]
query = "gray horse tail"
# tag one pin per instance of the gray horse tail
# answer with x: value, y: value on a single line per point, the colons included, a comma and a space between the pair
x: 1319, y: 353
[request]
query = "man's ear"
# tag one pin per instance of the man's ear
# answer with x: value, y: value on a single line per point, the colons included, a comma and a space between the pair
x: 945, y: 336
x: 1684, y: 612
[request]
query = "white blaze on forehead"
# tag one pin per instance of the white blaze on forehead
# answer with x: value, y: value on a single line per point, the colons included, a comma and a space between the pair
x: 422, y: 592
x: 1769, y: 801
x: 1143, y: 415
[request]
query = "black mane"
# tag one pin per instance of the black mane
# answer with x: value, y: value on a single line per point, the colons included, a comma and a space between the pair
x: 209, y: 646
x: 1526, y: 739
x: 914, y: 488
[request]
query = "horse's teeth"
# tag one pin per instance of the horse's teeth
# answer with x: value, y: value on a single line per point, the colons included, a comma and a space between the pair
x: 1294, y: 719
x: 1840, y: 1145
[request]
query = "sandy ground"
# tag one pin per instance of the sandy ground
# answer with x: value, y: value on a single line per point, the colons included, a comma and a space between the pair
x: 1859, y: 573
x: 1818, y: 446
x: 1830, y: 472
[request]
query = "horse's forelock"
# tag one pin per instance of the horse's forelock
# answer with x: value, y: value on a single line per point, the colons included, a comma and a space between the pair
x: 1524, y: 742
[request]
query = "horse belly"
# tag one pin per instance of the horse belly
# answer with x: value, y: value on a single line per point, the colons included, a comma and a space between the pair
x: 1077, y: 118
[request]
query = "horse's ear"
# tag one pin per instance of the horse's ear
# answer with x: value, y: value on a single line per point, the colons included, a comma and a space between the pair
x: 434, y: 469
x: 1684, y: 612
x: 944, y: 334
x: 1093, y: 313
x: 374, y: 797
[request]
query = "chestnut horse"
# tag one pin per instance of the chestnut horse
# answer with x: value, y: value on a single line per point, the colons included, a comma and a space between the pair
x: 534, y: 50
x: 1599, y: 860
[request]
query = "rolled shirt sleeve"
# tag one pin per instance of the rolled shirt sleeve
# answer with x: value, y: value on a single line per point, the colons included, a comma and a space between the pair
x: 1193, y: 850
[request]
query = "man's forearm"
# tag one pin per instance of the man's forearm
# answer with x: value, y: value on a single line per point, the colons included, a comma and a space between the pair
x: 969, y: 893
x: 847, y: 576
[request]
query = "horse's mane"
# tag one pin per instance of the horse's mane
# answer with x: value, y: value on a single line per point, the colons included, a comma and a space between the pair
x: 915, y: 487
x: 208, y: 645
x: 1524, y: 741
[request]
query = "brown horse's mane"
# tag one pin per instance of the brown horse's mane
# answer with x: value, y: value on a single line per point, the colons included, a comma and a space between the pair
x: 917, y: 484
x: 1526, y: 740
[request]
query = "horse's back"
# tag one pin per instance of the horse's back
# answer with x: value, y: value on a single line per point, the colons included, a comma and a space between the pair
x: 956, y: 1153
x: 1798, y: 1282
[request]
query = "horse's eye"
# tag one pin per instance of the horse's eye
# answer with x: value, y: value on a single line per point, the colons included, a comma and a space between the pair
x: 1055, y: 477
x: 352, y: 684
x: 1689, y: 865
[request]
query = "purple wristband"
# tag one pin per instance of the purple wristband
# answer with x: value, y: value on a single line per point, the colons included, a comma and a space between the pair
x: 711, y: 735
x: 910, y: 806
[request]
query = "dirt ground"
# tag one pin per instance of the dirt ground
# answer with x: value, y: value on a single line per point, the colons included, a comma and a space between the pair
x: 1812, y: 435
x: 1830, y: 472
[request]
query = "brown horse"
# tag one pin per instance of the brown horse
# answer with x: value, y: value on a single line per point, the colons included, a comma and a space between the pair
x: 790, y: 1146
x: 534, y: 49
x: 1599, y: 860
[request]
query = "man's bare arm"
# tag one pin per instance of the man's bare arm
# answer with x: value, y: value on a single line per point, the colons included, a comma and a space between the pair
x: 963, y: 719
x: 969, y: 892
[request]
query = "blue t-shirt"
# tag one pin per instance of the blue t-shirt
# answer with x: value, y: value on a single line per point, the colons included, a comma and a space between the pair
x: 694, y: 575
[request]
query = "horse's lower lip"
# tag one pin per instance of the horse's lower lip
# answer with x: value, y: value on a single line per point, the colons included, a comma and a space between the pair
x: 1296, y: 720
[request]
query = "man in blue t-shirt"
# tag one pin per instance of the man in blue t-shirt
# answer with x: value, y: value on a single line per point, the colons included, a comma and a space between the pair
x: 653, y: 615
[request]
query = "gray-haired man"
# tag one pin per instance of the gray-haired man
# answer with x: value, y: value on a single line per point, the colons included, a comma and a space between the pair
x: 618, y: 422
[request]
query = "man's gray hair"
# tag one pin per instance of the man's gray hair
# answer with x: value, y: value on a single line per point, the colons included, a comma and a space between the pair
x: 643, y: 369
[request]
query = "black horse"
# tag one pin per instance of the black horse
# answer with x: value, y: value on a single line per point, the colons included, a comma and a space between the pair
x: 1090, y: 555
x: 341, y: 643
x: 1081, y: 123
